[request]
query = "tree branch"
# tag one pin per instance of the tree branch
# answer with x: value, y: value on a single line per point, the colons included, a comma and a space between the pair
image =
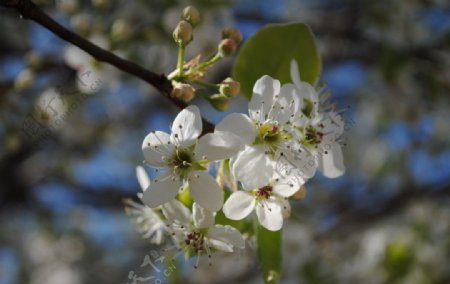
x: 29, y: 10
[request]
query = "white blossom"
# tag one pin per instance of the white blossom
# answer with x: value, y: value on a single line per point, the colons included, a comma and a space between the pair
x: 196, y: 233
x: 184, y: 158
x: 270, y: 202
x: 319, y: 131
x: 266, y: 132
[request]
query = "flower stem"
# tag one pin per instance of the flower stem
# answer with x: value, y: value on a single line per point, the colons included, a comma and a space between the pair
x: 180, y: 64
x: 205, y: 64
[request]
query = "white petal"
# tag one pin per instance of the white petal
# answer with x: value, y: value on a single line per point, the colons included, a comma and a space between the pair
x: 174, y: 210
x: 308, y: 93
x: 161, y: 190
x: 300, y: 162
x: 262, y: 99
x: 221, y: 246
x: 187, y: 126
x: 239, y: 205
x: 142, y: 176
x: 270, y: 215
x: 227, y: 234
x: 286, y: 207
x: 295, y: 74
x: 155, y: 147
x: 218, y: 146
x: 203, y: 218
x: 253, y: 168
x: 286, y: 186
x: 205, y: 191
x: 288, y: 104
x: 332, y: 164
x: 333, y: 125
x: 239, y: 124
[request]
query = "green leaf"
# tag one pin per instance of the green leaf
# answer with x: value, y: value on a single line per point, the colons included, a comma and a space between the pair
x: 270, y: 51
x: 269, y: 254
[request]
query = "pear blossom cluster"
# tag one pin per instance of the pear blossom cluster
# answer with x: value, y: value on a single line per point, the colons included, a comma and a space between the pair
x: 262, y: 159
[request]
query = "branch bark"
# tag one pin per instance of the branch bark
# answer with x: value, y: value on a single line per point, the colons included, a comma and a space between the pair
x: 30, y: 11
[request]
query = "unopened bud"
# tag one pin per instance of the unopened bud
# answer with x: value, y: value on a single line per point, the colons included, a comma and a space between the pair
x: 24, y: 80
x: 184, y: 92
x: 191, y: 15
x: 232, y: 33
x: 183, y: 32
x: 220, y: 102
x: 227, y: 47
x: 230, y: 88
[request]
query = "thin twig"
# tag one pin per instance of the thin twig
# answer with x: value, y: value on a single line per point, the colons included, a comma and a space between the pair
x: 29, y: 10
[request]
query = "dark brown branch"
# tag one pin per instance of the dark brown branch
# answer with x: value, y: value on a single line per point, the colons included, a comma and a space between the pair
x: 29, y: 10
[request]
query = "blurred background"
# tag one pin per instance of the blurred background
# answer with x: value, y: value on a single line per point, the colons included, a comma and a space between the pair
x: 71, y: 132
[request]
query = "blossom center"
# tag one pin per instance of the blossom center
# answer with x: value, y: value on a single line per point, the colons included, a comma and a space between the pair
x: 271, y: 134
x: 263, y: 193
x: 196, y: 241
x: 312, y: 137
x: 182, y: 160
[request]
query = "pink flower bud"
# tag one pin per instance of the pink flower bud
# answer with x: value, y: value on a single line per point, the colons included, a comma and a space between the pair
x: 229, y: 87
x: 184, y: 92
x: 232, y: 33
x: 183, y: 32
x: 191, y: 15
x: 220, y: 102
x: 227, y: 47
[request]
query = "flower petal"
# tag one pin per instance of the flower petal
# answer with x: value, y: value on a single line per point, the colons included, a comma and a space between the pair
x: 161, y: 190
x: 286, y: 186
x: 239, y: 124
x: 187, y: 126
x: 174, y: 210
x: 227, y: 234
x: 205, y: 191
x: 270, y: 215
x: 218, y: 146
x: 239, y: 205
x: 203, y: 218
x: 142, y: 176
x: 331, y: 164
x: 155, y: 147
x: 220, y: 246
x: 295, y: 74
x: 288, y: 104
x: 252, y: 167
x: 262, y: 99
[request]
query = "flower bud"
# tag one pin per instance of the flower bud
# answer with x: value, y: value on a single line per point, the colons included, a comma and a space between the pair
x: 184, y: 92
x: 220, y: 102
x: 227, y: 47
x: 232, y: 33
x: 230, y: 88
x: 183, y: 32
x: 191, y: 15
